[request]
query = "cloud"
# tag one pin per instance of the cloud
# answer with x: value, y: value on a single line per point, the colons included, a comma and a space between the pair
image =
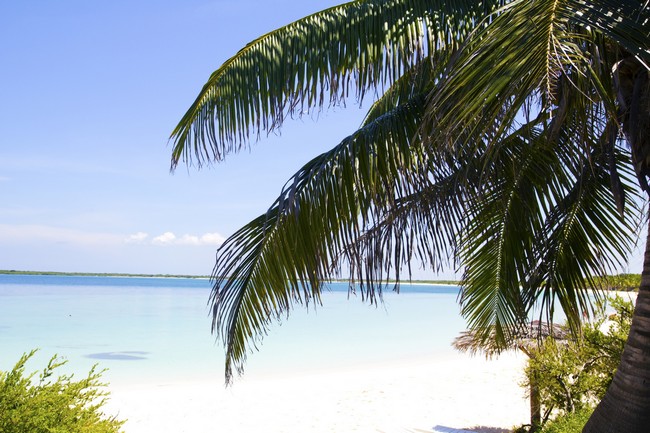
x: 212, y: 239
x: 169, y: 238
x: 23, y: 233
x: 166, y: 238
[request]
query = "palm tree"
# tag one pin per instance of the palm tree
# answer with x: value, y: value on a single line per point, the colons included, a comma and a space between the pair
x: 499, y: 144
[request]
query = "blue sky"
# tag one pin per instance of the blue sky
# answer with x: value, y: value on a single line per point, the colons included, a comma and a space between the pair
x: 90, y: 93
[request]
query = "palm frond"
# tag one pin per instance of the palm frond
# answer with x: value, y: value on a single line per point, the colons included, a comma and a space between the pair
x: 519, y: 58
x: 317, y: 61
x: 585, y: 236
x: 545, y: 223
x: 419, y: 228
x: 627, y: 22
x: 283, y: 256
x: 498, y: 241
x: 494, y: 142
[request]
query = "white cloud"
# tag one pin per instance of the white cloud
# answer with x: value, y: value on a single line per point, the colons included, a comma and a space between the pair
x: 212, y: 239
x: 189, y: 240
x: 61, y: 235
x: 166, y: 238
x: 169, y: 238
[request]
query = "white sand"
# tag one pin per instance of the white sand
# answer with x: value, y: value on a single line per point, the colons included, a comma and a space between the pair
x: 457, y: 392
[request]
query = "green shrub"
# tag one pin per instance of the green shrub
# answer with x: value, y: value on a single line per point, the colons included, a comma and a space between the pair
x: 572, y: 375
x: 50, y: 405
x: 568, y: 423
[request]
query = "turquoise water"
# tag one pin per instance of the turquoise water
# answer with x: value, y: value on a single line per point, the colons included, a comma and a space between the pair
x: 150, y: 329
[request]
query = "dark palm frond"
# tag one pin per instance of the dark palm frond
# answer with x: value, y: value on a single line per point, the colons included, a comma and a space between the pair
x: 283, y: 256
x: 534, y: 59
x: 317, y: 61
x: 588, y: 230
x: 625, y: 22
x: 545, y: 222
x: 425, y: 225
x: 585, y: 236
x: 494, y: 144
x: 421, y: 227
x: 520, y: 57
x: 498, y: 241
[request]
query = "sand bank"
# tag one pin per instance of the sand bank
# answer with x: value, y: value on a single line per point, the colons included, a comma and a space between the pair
x: 432, y: 394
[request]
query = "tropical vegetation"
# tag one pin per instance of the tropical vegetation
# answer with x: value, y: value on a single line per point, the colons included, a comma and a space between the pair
x: 620, y: 282
x: 572, y: 375
x: 564, y: 372
x: 53, y: 403
x: 569, y: 423
x: 508, y: 139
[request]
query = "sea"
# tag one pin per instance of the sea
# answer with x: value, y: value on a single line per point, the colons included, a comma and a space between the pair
x: 144, y: 329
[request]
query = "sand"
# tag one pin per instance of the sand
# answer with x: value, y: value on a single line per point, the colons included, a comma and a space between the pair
x: 435, y: 394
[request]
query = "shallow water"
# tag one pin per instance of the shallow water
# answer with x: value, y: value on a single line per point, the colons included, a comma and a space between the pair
x: 146, y: 329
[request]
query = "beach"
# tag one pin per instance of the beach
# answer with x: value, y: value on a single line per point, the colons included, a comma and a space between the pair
x: 435, y: 394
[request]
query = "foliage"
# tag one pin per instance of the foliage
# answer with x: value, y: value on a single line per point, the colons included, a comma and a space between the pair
x: 496, y: 143
x: 96, y: 274
x: 53, y: 406
x: 573, y: 375
x: 568, y: 423
x: 620, y: 282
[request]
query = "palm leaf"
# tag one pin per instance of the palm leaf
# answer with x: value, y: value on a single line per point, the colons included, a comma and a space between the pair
x: 283, y: 256
x: 314, y: 62
x: 585, y: 236
x: 545, y: 223
x: 519, y: 58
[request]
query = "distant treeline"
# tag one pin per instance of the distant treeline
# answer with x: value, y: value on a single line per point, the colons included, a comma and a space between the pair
x: 620, y: 282
x: 99, y: 274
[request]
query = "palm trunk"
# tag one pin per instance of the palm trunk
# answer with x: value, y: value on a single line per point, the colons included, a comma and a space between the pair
x: 625, y: 408
x: 535, y: 406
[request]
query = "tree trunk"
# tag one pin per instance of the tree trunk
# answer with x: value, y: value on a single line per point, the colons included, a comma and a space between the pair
x: 535, y: 406
x: 625, y: 408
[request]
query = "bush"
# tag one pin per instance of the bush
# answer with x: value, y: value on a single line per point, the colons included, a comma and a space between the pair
x: 572, y: 376
x: 53, y: 406
x: 569, y: 423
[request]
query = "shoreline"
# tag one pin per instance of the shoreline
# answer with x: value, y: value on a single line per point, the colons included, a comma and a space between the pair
x: 455, y: 392
x: 202, y: 277
x: 208, y: 277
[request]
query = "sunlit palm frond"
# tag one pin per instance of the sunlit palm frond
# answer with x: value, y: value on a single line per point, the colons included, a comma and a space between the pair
x: 317, y: 61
